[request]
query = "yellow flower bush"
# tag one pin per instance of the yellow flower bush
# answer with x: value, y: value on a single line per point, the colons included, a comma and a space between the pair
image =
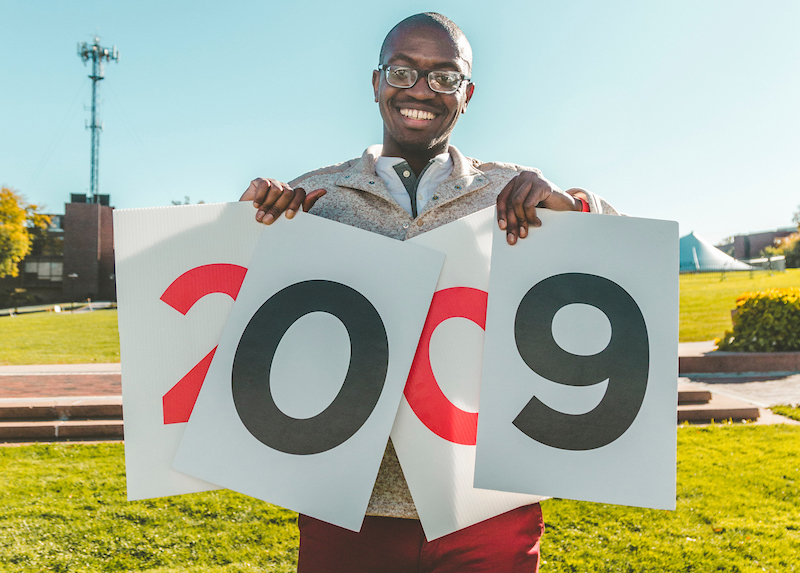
x: 767, y: 321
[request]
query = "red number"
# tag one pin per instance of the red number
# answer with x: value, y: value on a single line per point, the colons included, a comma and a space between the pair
x: 181, y: 295
x: 422, y: 391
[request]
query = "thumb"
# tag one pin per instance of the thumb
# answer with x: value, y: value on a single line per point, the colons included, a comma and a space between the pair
x: 311, y: 198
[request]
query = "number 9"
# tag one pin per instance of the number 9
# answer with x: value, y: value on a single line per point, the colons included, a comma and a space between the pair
x: 624, y: 362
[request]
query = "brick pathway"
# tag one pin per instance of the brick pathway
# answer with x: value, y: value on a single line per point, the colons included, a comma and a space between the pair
x: 50, y: 385
x: 52, y: 380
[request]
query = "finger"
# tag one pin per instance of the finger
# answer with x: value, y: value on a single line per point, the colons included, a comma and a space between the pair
x: 250, y: 192
x: 312, y: 198
x: 511, y: 228
x: 263, y: 187
x: 266, y: 197
x: 531, y: 202
x: 278, y: 199
x: 295, y: 203
x: 502, y: 204
x: 518, y: 199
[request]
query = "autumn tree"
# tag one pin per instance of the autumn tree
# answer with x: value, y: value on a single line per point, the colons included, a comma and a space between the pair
x: 18, y: 220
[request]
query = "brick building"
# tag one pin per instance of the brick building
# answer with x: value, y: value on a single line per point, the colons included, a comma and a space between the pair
x: 88, y: 250
x: 750, y: 246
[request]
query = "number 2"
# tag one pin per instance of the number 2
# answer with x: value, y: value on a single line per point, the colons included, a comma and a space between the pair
x: 181, y: 295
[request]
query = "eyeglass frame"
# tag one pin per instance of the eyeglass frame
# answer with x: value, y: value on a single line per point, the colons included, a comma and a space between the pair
x: 427, y: 74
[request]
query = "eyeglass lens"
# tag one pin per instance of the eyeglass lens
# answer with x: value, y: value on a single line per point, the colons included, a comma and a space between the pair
x: 439, y: 81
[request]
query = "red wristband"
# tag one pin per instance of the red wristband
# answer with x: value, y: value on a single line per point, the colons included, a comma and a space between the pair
x: 584, y: 205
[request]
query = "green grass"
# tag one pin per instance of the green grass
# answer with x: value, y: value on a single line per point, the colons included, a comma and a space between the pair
x: 63, y: 508
x: 792, y: 412
x: 737, y: 511
x: 65, y: 338
x: 707, y: 301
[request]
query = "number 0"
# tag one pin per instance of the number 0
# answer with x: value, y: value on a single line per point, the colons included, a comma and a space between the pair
x: 624, y: 362
x: 363, y: 384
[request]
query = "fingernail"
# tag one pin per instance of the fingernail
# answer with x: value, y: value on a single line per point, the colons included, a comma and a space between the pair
x: 259, y: 216
x: 289, y: 213
x: 537, y: 222
x: 523, y: 232
x: 502, y: 223
x: 511, y: 238
x: 268, y: 219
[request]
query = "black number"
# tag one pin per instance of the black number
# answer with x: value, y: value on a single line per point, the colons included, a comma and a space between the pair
x: 366, y: 374
x: 624, y: 362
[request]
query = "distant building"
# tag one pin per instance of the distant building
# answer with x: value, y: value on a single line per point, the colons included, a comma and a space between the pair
x: 750, y: 246
x: 75, y: 258
x: 89, y: 249
x: 41, y: 272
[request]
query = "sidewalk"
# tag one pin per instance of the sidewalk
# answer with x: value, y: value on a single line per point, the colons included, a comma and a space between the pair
x: 60, y: 380
x: 695, y: 348
x: 762, y: 389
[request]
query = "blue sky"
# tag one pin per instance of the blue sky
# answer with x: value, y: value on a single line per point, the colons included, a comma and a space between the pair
x: 679, y: 110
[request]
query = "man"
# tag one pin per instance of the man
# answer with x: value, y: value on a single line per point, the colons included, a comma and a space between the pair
x: 411, y: 184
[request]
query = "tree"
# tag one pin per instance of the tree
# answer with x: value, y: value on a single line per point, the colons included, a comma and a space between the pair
x: 789, y: 247
x: 186, y: 201
x: 17, y: 220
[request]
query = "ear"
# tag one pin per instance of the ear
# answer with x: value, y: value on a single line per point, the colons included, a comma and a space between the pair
x: 376, y: 81
x: 470, y: 91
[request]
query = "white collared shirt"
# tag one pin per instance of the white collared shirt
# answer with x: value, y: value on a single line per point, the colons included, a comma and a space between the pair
x: 439, y: 169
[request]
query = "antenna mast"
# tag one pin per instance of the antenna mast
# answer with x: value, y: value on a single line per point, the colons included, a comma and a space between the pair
x: 97, y: 54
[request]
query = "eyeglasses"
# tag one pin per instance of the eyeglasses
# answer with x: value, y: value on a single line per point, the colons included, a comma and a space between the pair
x: 440, y: 81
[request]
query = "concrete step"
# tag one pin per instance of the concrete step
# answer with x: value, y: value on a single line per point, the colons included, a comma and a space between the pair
x: 718, y: 409
x: 61, y: 408
x: 61, y: 430
x: 48, y: 419
x: 693, y: 397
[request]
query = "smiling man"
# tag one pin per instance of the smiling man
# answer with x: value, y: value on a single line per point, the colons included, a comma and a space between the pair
x: 412, y: 183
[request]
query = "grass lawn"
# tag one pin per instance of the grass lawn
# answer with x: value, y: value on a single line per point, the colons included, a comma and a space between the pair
x: 64, y: 338
x: 792, y: 412
x: 707, y: 301
x: 63, y: 508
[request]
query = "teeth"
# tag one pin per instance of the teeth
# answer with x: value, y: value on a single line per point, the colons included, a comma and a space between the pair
x: 416, y: 114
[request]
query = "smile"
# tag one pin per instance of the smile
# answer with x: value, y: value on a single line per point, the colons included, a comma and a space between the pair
x: 416, y: 114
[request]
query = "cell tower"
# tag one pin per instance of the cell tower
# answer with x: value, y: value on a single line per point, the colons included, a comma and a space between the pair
x: 97, y: 54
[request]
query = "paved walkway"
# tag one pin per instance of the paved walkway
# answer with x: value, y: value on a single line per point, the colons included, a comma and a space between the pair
x: 60, y: 380
x: 763, y: 390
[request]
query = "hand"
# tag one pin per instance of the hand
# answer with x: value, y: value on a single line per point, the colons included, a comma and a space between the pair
x: 271, y: 198
x: 517, y: 202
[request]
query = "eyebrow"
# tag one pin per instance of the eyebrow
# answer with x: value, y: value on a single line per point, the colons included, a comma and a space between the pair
x: 436, y: 66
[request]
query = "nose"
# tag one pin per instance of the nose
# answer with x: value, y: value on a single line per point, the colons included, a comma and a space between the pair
x: 421, y: 90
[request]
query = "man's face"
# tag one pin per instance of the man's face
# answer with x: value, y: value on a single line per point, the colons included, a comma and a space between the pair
x: 418, y: 119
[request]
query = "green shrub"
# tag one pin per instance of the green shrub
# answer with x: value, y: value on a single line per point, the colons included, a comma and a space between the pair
x: 767, y: 321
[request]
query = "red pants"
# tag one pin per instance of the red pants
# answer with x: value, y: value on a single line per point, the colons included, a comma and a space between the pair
x: 508, y: 543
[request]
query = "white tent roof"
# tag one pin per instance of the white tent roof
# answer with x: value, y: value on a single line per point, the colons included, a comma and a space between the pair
x: 700, y: 255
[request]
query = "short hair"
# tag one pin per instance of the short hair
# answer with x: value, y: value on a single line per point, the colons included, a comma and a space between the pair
x: 435, y: 20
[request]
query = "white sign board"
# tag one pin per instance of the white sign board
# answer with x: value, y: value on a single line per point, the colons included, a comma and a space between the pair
x: 302, y: 420
x: 178, y: 270
x: 579, y: 386
x: 435, y: 429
